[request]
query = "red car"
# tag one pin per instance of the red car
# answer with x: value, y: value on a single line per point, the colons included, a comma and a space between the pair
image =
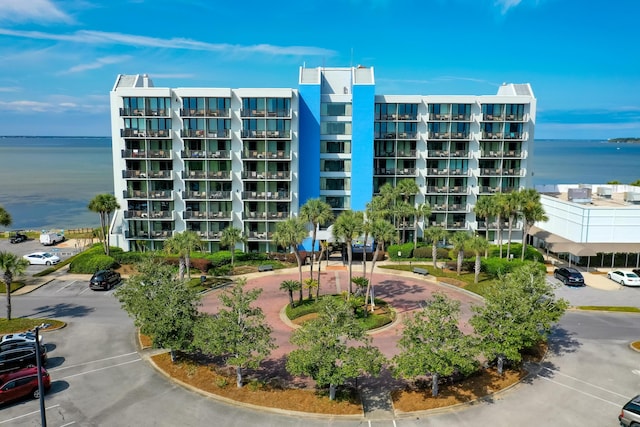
x: 18, y: 384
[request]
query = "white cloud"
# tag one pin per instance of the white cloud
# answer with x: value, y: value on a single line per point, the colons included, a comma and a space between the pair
x: 31, y: 11
x: 26, y: 106
x: 98, y: 63
x: 101, y: 37
x: 9, y: 89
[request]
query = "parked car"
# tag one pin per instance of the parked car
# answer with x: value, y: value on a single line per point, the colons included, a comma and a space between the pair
x: 104, y: 279
x: 22, y: 337
x: 42, y: 258
x: 51, y: 238
x: 625, y: 278
x: 630, y: 413
x: 569, y: 276
x: 10, y: 345
x: 11, y: 360
x: 22, y: 383
x: 17, y: 237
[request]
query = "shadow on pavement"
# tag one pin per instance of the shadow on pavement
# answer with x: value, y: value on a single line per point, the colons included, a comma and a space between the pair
x: 61, y: 310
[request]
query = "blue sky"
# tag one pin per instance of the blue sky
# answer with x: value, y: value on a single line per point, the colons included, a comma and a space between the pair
x: 582, y: 57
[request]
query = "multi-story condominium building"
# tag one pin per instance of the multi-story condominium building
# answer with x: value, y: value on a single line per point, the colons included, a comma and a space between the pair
x: 204, y: 159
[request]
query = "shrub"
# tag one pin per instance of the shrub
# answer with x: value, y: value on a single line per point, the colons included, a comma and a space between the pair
x: 516, y: 250
x: 422, y: 252
x: 496, y: 267
x: 128, y: 257
x: 201, y: 264
x: 405, y: 251
x: 443, y: 253
x: 90, y: 263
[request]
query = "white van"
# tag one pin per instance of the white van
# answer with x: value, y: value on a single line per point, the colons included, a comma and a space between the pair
x: 51, y: 238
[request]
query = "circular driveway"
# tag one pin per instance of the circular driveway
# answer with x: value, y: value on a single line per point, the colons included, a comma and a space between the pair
x: 99, y: 379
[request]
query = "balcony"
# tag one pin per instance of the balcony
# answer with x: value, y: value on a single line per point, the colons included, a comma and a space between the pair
x: 439, y: 116
x: 493, y: 118
x: 439, y: 135
x: 204, y: 195
x: 265, y: 215
x: 203, y: 215
x: 461, y: 117
x: 161, y: 194
x: 133, y: 133
x: 492, y: 135
x: 198, y: 175
x: 133, y: 154
x: 194, y: 112
x: 514, y: 135
x: 261, y: 134
x: 160, y: 234
x: 407, y: 153
x: 513, y: 154
x: 135, y: 194
x: 438, y: 153
x: 457, y: 189
x: 159, y: 112
x: 491, y: 154
x: 459, y: 172
x: 406, y: 171
x: 159, y: 133
x: 490, y: 172
x: 265, y: 113
x: 274, y: 155
x: 456, y: 225
x: 259, y: 235
x: 192, y: 133
x: 266, y: 195
x: 484, y: 189
x: 460, y: 136
x: 460, y: 153
x: 385, y: 154
x: 438, y: 171
x: 512, y: 172
x: 201, y: 154
x: 436, y: 189
x: 159, y: 154
x: 218, y: 133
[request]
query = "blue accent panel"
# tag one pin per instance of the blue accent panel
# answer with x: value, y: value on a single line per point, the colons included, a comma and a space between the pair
x: 309, y: 142
x: 362, y: 146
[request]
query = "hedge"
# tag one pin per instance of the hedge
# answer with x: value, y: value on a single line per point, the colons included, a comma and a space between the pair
x: 405, y: 250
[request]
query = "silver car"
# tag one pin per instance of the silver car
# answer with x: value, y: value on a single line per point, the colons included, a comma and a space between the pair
x: 630, y: 413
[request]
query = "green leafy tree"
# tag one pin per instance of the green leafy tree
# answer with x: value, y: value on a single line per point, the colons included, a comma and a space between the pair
x: 11, y: 265
x: 348, y: 226
x: 459, y: 241
x: 230, y: 237
x: 5, y: 217
x: 435, y: 235
x: 432, y: 343
x: 183, y: 244
x: 238, y: 332
x: 327, y: 350
x: 290, y: 233
x: 290, y: 286
x: 362, y: 284
x: 517, y: 313
x: 160, y: 305
x: 316, y: 212
x: 532, y: 212
x: 478, y: 245
x: 104, y: 205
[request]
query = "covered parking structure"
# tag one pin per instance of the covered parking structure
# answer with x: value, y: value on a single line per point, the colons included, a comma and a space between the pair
x: 556, y: 244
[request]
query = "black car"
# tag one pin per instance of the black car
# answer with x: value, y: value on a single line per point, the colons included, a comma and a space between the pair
x: 11, y: 345
x: 17, y: 237
x: 20, y: 358
x: 569, y: 276
x: 104, y: 280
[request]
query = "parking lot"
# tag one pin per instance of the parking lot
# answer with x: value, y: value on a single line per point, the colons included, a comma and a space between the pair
x: 63, y: 250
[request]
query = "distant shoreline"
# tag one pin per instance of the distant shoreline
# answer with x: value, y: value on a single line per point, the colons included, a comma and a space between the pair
x: 624, y: 140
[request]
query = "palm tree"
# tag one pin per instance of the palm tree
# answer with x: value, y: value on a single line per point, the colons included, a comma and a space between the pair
x: 290, y: 233
x: 434, y: 235
x: 478, y: 245
x: 183, y: 244
x: 311, y: 284
x: 11, y: 265
x: 407, y: 188
x: 512, y: 208
x: 459, y: 241
x: 381, y: 231
x: 348, y: 226
x: 290, y: 286
x: 421, y: 211
x: 317, y: 213
x: 363, y: 285
x: 5, y: 217
x: 104, y: 205
x: 230, y: 237
x: 484, y: 209
x: 532, y: 212
x: 499, y: 210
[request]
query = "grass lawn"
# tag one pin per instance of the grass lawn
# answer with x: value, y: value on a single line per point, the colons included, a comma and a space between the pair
x: 22, y: 324
x: 14, y: 287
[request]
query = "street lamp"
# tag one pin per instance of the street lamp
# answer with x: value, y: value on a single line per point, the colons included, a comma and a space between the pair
x: 43, y: 415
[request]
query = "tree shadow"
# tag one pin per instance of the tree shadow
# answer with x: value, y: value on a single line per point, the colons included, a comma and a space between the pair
x: 561, y: 341
x: 61, y: 310
x: 391, y: 288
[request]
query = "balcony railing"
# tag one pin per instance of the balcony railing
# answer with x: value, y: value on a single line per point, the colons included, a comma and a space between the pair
x: 512, y: 172
x: 159, y: 133
x: 221, y: 175
x: 406, y: 171
x: 438, y: 153
x: 265, y: 215
x: 161, y: 112
x: 435, y: 189
x: 135, y: 194
x: 202, y: 154
x: 513, y: 153
x: 203, y: 113
x: 274, y: 155
x: 460, y: 135
x: 456, y: 225
x: 489, y: 190
x: 204, y: 215
x: 135, y: 153
x: 260, y: 235
x: 279, y: 175
x: 493, y: 117
x: 266, y: 195
x: 206, y: 195
x: 160, y: 194
x: 438, y: 171
x: 439, y: 135
x: 249, y: 134
x: 491, y: 153
x: 265, y: 113
x: 492, y: 135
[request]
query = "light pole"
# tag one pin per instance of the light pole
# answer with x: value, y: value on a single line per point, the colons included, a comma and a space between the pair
x: 43, y: 415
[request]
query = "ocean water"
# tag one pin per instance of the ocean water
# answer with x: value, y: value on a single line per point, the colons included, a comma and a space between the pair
x: 46, y: 183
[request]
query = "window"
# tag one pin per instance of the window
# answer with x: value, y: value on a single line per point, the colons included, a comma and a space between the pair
x: 335, y: 147
x: 335, y: 109
x: 335, y: 165
x: 335, y: 128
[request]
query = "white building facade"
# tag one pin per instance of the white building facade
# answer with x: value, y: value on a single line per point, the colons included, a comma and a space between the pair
x: 204, y: 159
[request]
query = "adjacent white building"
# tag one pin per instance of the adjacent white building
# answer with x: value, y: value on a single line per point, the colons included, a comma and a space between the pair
x: 204, y: 159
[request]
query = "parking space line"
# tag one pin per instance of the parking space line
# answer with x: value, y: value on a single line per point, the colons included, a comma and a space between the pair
x: 64, y: 287
x: 98, y: 370
x: 556, y: 372
x: 93, y: 361
x: 617, y: 405
x: 27, y: 414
